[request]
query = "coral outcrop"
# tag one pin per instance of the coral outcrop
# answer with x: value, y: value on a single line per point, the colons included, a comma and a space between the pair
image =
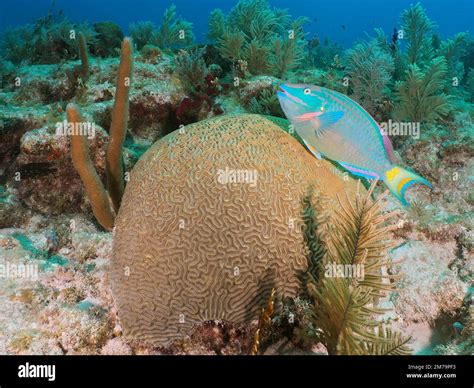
x: 210, y: 222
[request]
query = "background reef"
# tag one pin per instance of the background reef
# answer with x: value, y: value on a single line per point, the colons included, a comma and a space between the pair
x: 407, y: 75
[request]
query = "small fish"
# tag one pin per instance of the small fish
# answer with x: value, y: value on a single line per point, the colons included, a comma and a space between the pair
x: 393, y: 43
x: 334, y: 126
x: 458, y: 326
x: 343, y: 27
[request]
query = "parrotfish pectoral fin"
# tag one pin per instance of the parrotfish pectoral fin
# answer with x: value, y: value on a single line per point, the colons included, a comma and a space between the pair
x: 312, y: 150
x: 398, y: 180
x: 359, y: 171
x: 329, y: 118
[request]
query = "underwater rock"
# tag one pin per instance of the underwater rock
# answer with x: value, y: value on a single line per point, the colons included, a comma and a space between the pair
x: 152, y: 114
x: 12, y: 128
x: 87, y: 241
x: 285, y: 346
x: 210, y: 222
x: 44, y: 84
x: 429, y: 287
x: 215, y: 337
x: 78, y: 332
x: 150, y: 54
x: 254, y: 87
x: 48, y: 182
x: 115, y: 347
x: 12, y: 213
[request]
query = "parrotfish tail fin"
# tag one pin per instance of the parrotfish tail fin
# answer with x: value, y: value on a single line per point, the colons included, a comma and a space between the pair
x: 399, y: 179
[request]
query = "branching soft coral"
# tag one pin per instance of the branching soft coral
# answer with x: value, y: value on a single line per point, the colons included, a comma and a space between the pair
x: 142, y: 33
x: 49, y: 40
x: 345, y: 307
x: 420, y: 96
x: 173, y: 32
x: 288, y: 52
x: 257, y: 55
x: 256, y: 19
x: 109, y: 38
x: 453, y: 49
x: 191, y: 69
x: 265, y: 103
x: 231, y: 44
x: 259, y: 35
x: 370, y: 70
x: 217, y: 24
x: 417, y: 28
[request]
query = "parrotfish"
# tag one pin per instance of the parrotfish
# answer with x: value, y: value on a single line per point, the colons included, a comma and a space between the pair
x: 336, y: 127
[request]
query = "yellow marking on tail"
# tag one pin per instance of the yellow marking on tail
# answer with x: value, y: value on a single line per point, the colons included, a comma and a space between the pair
x: 392, y: 173
x: 402, y: 183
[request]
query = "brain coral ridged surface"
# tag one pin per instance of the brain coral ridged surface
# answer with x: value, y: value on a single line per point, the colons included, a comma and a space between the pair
x: 191, y: 247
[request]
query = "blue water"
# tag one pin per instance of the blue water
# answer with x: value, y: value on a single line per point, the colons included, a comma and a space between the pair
x: 343, y: 20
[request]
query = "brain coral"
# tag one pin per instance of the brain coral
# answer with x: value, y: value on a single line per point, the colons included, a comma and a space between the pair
x: 190, y: 245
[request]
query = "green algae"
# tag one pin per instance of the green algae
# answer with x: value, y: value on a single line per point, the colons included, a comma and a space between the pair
x: 28, y: 246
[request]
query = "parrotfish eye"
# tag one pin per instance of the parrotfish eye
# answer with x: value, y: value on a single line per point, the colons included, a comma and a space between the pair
x: 307, y: 91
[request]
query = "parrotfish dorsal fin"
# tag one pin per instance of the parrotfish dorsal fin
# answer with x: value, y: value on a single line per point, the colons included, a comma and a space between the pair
x: 387, y: 144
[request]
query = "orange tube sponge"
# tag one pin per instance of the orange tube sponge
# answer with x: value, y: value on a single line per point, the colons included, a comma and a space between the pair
x: 118, y: 127
x: 83, y: 55
x: 83, y: 164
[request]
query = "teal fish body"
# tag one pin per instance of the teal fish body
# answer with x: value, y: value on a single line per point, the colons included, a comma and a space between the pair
x: 333, y: 125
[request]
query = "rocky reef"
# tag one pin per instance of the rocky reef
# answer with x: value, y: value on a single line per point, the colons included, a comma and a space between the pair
x: 166, y: 230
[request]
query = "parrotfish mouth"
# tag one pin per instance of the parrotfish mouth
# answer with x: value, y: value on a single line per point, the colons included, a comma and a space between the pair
x: 283, y: 93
